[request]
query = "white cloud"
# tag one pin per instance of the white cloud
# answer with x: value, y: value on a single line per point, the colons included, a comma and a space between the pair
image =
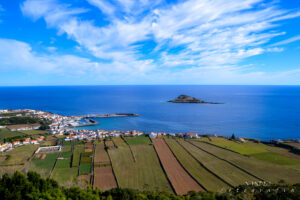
x: 104, y: 6
x: 191, y: 33
x: 287, y: 41
x: 19, y: 55
x: 51, y: 49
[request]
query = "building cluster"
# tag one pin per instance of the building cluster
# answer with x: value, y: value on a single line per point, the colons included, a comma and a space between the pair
x: 58, y: 122
x: 9, y: 145
x: 93, y: 134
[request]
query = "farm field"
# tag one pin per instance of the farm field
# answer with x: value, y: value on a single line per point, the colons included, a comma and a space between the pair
x: 255, y: 166
x: 65, y: 176
x: 204, y: 177
x: 5, y: 133
x: 19, y: 155
x: 227, y: 172
x: 101, y: 156
x: 43, y: 166
x: 283, y: 152
x: 191, y: 164
x: 78, y: 149
x: 144, y: 174
x: 142, y: 139
x: 104, y: 178
x: 181, y: 181
x: 260, y: 151
x: 109, y: 144
x: 34, y: 132
x: 294, y: 144
x: 63, y: 172
x: 88, y: 147
x: 119, y: 141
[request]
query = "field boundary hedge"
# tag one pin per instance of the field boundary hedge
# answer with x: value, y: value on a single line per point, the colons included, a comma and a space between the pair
x: 92, y: 170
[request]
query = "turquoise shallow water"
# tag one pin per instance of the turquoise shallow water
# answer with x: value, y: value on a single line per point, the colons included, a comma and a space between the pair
x: 263, y: 112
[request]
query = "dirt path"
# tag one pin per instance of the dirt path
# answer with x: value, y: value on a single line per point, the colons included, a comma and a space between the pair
x: 181, y: 181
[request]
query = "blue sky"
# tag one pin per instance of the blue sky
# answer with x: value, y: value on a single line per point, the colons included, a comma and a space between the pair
x: 93, y: 42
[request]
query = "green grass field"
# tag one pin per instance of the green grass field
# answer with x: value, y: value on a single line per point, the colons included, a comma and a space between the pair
x: 119, y: 141
x: 78, y: 149
x: 35, y: 132
x: 207, y: 179
x: 242, y: 148
x: 144, y: 174
x: 65, y: 176
x: 260, y: 151
x: 63, y: 172
x: 85, y: 168
x: 255, y: 166
x: 5, y: 133
x: 66, y: 162
x: 20, y: 154
x: 226, y: 171
x: 44, y: 166
x: 142, y: 139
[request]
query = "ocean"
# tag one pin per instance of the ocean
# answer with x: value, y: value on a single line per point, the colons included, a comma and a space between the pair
x: 262, y: 112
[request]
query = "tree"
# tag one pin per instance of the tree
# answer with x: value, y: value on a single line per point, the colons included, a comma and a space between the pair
x: 233, y: 136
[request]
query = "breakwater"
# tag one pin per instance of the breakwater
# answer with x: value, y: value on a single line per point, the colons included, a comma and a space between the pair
x: 108, y: 115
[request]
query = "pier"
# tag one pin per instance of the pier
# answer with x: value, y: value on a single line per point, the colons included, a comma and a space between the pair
x: 91, y: 122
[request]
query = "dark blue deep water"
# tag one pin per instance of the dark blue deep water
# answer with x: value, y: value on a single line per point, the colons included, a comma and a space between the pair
x: 263, y: 112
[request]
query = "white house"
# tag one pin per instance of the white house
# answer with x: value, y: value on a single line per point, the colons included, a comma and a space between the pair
x: 153, y: 135
x: 191, y: 135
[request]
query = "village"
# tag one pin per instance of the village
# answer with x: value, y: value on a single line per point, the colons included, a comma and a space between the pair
x: 64, y: 126
x: 106, y: 159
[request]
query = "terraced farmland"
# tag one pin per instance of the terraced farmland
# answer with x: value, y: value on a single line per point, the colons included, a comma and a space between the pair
x: 142, y: 139
x: 257, y: 167
x: 119, y: 141
x: 227, y: 172
x: 181, y: 181
x: 63, y: 172
x: 144, y: 174
x: 103, y: 174
x: 202, y: 175
x: 260, y: 151
x: 78, y: 149
x: 132, y: 162
x: 101, y: 157
x: 43, y: 166
x: 19, y: 155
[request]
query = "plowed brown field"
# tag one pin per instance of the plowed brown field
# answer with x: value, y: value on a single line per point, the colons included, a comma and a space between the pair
x: 104, y: 178
x: 101, y: 157
x: 181, y: 181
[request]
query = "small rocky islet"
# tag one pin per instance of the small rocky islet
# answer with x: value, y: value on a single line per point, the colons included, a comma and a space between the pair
x: 188, y: 99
